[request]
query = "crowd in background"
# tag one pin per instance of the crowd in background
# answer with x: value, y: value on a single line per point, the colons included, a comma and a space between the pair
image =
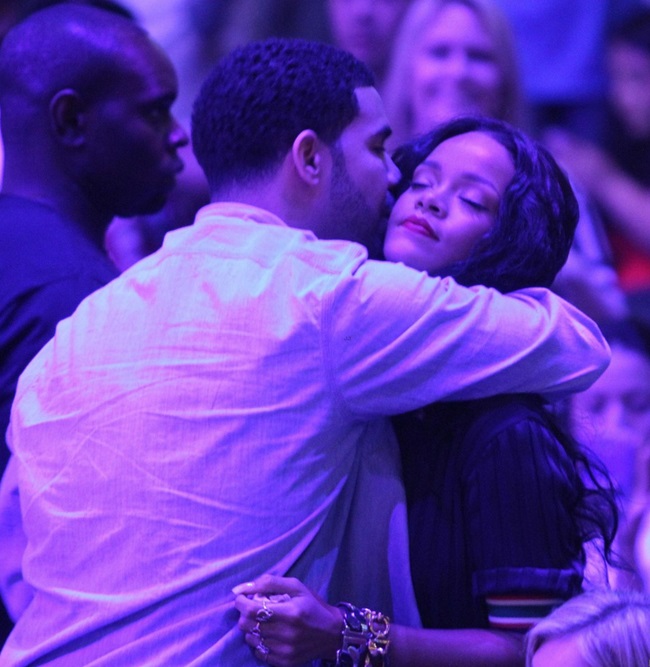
x: 574, y: 75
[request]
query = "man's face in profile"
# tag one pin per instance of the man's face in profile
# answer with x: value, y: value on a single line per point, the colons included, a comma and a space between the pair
x: 133, y: 136
x: 362, y: 171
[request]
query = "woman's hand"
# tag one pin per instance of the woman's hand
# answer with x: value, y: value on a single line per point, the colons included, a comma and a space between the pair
x: 285, y: 623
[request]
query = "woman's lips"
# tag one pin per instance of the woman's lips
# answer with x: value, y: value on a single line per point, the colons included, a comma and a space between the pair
x: 419, y: 226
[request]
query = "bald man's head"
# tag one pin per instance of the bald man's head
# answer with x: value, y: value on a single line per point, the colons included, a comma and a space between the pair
x: 86, y: 93
x: 67, y: 46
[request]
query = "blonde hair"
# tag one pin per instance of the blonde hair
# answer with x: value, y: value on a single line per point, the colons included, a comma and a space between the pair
x: 611, y: 628
x: 421, y: 13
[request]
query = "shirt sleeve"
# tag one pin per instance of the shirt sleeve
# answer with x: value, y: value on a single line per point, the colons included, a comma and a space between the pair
x: 396, y: 339
x: 16, y: 593
x: 519, y: 489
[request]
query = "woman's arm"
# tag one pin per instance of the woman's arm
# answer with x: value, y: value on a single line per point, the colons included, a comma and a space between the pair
x: 304, y: 628
x: 417, y: 647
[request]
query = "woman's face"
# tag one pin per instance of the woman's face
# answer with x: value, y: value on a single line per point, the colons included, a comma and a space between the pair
x: 454, y: 69
x: 613, y: 415
x: 451, y: 203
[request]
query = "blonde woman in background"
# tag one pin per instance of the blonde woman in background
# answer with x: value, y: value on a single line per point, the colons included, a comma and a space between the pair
x: 598, y: 629
x: 451, y: 57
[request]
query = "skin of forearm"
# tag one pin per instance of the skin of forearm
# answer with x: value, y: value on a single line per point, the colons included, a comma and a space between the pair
x: 413, y: 647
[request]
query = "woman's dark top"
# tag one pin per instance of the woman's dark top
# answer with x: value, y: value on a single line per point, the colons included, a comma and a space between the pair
x: 490, y: 494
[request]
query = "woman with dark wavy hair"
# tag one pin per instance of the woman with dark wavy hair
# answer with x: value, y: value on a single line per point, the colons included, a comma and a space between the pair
x: 501, y: 500
x: 534, y: 220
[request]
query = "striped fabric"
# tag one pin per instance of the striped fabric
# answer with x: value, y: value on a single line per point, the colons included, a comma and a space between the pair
x: 518, y: 612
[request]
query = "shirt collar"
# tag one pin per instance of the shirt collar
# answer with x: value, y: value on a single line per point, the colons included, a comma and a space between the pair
x: 239, y: 211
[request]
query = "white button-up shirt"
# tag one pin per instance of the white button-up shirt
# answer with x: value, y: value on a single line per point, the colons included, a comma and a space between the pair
x: 218, y: 411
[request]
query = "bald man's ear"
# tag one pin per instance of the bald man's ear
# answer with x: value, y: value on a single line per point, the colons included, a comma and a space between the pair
x: 67, y: 117
x: 308, y: 153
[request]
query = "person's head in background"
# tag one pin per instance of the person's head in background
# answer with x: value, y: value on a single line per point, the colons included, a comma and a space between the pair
x: 605, y: 628
x: 13, y: 11
x: 302, y: 135
x: 483, y: 203
x: 28, y: 7
x: 86, y: 115
x: 451, y: 57
x: 628, y: 61
x: 366, y: 28
x: 612, y: 417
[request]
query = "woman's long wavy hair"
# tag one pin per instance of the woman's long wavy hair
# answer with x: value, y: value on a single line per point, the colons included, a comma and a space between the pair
x: 526, y: 247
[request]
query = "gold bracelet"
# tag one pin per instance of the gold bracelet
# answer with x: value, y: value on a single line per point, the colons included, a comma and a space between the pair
x: 378, y: 642
x: 364, y: 637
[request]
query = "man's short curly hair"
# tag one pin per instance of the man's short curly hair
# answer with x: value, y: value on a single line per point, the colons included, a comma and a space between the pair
x: 261, y: 96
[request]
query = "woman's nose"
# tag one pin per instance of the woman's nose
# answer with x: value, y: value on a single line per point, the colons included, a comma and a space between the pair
x: 432, y: 200
x: 457, y: 65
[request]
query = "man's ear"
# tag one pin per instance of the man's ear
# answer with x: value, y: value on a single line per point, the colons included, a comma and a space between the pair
x: 308, y: 157
x: 67, y: 117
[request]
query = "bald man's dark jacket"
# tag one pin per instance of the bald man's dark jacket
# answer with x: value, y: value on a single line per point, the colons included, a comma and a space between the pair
x: 47, y: 267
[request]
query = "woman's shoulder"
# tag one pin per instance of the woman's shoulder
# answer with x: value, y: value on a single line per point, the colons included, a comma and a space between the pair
x: 485, y: 418
x: 512, y: 429
x: 449, y: 424
x: 499, y: 412
x: 503, y: 428
x: 514, y: 433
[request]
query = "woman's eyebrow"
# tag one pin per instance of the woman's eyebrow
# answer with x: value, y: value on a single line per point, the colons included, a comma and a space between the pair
x: 466, y: 175
x: 476, y: 178
x: 428, y: 164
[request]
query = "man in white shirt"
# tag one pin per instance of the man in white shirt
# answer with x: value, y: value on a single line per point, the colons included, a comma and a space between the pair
x: 218, y: 411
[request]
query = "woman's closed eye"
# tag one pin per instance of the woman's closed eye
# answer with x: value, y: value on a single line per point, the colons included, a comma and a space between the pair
x: 477, y: 198
x: 476, y: 205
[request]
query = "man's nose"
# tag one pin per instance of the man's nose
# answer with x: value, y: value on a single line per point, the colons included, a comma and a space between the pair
x: 178, y: 137
x: 394, y: 173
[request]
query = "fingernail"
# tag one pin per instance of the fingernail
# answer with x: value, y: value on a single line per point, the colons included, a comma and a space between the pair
x: 241, y: 588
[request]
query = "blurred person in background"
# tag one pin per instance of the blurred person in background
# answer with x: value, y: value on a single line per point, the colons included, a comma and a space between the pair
x: 451, y: 57
x: 560, y: 51
x: 613, y: 415
x: 639, y: 538
x: 612, y: 418
x: 602, y: 628
x: 616, y: 173
x: 367, y: 29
